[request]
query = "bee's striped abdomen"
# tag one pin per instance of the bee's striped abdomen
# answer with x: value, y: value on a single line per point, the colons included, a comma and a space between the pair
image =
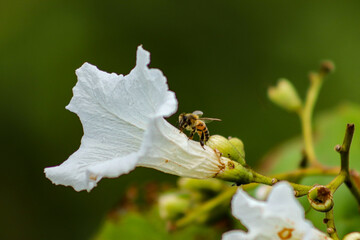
x: 206, y: 134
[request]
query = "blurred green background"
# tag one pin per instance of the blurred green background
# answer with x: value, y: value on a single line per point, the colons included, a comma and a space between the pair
x: 218, y: 56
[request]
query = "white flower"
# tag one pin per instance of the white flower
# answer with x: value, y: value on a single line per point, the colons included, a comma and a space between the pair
x: 280, y: 217
x: 122, y: 118
x: 352, y: 236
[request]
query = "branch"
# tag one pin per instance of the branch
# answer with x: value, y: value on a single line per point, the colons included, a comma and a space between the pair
x: 329, y: 221
x: 352, y: 179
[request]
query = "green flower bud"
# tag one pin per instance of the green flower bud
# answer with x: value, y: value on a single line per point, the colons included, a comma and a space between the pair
x: 285, y: 96
x: 173, y: 206
x: 321, y: 198
x: 238, y: 144
x: 226, y: 148
x: 202, y: 185
x: 352, y: 236
x: 235, y: 172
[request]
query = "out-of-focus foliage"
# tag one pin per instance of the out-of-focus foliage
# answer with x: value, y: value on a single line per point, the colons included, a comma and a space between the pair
x: 137, y: 215
x: 330, y: 131
x: 218, y: 56
x: 150, y: 226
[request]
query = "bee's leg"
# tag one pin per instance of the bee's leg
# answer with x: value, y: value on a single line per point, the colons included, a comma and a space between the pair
x: 192, y: 133
x: 202, y: 140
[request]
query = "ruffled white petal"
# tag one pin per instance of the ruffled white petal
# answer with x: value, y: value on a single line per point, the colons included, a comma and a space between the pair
x: 280, y: 217
x: 123, y: 123
x: 115, y: 111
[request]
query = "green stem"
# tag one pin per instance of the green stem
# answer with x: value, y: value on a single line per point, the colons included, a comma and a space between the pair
x: 300, y: 190
x: 306, y: 117
x: 305, y: 172
x: 353, y: 183
x: 336, y: 182
x: 344, y: 149
x: 351, y: 178
x: 329, y: 220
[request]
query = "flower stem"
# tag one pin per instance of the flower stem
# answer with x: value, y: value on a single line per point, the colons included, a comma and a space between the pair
x: 353, y: 183
x: 300, y: 190
x: 306, y: 117
x: 336, y: 182
x: 329, y: 220
x: 305, y: 172
x: 345, y: 147
x: 351, y: 178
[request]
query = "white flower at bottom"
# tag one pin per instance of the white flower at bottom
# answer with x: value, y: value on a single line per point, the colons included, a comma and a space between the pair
x: 122, y: 118
x: 280, y: 217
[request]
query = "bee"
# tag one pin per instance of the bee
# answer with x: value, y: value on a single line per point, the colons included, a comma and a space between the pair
x: 193, y: 122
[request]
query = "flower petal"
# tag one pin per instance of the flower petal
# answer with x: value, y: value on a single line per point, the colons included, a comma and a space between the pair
x: 166, y: 149
x: 115, y: 112
x: 281, y: 201
x: 280, y: 217
x: 314, y: 234
x: 111, y: 168
x: 247, y: 209
x: 236, y: 235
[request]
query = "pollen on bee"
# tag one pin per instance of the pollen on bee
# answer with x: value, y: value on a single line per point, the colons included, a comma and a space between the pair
x: 166, y: 161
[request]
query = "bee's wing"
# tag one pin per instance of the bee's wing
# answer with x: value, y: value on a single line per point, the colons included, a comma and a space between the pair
x: 197, y: 112
x: 207, y: 120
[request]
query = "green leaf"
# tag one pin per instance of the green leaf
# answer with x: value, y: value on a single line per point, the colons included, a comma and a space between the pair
x: 137, y: 216
x: 148, y: 225
x: 329, y: 131
x: 130, y: 226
